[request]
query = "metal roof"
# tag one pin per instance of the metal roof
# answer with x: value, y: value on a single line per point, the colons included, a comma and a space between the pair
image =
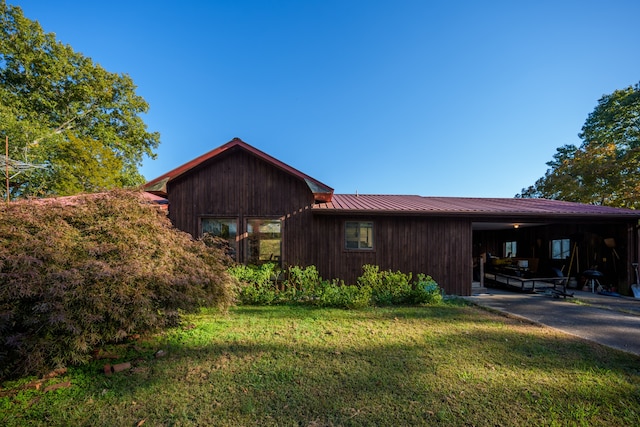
x: 479, y: 209
x: 465, y: 206
x: 158, y: 185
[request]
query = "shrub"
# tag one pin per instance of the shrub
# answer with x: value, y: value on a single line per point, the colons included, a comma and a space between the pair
x: 426, y: 291
x: 258, y: 276
x: 257, y: 284
x: 79, y: 272
x: 387, y: 287
x: 339, y: 295
x: 304, y: 285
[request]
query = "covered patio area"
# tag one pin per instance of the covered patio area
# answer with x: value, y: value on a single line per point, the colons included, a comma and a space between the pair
x: 581, y: 255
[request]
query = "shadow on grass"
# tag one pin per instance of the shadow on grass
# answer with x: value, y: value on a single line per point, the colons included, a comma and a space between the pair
x: 388, y: 366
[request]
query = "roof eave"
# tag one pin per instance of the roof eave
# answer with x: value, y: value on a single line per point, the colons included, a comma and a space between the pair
x: 477, y: 215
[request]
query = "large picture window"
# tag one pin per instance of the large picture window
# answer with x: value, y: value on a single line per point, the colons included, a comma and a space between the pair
x: 226, y: 229
x: 358, y: 235
x: 264, y: 241
x: 560, y: 248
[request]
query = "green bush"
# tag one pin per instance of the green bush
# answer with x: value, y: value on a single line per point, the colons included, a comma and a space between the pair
x: 339, y: 295
x: 387, y: 287
x: 303, y: 285
x: 257, y: 284
x: 79, y: 272
x: 426, y: 291
x: 257, y: 276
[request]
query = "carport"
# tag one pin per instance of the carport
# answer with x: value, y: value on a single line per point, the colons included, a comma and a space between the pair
x: 596, y: 239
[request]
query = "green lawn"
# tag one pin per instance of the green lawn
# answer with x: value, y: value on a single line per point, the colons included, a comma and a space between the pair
x: 301, y: 366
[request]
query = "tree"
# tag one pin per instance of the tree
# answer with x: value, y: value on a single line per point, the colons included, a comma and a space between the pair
x: 55, y: 104
x: 605, y: 169
x: 80, y: 272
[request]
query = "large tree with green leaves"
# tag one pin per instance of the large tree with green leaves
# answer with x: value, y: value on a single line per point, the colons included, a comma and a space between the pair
x: 605, y: 168
x: 72, y: 126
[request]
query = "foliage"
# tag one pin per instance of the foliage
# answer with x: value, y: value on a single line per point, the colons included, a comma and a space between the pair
x: 605, y: 169
x: 426, y: 291
x: 304, y: 278
x: 62, y: 111
x: 387, y: 287
x: 256, y: 283
x: 296, y: 365
x: 334, y: 294
x: 79, y: 272
x: 252, y: 275
x: 303, y: 285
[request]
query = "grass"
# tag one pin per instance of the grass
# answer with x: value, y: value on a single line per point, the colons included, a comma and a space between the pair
x: 300, y: 366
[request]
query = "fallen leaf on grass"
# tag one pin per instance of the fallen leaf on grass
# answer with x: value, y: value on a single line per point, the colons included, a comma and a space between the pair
x: 101, y: 355
x: 52, y: 387
x: 55, y: 373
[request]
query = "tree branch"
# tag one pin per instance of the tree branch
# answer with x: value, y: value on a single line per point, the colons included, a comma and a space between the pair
x: 63, y: 126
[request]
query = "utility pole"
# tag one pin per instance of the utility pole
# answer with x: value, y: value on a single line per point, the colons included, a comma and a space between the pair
x: 6, y: 163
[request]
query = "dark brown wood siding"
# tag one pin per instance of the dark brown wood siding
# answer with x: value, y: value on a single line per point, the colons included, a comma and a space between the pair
x: 440, y: 248
x: 238, y: 185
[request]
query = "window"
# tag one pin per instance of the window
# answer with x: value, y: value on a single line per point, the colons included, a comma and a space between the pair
x: 510, y: 249
x: 264, y: 237
x: 358, y: 235
x: 560, y: 249
x: 226, y: 229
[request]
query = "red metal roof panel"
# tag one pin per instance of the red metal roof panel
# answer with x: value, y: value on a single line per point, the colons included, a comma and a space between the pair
x: 408, y: 204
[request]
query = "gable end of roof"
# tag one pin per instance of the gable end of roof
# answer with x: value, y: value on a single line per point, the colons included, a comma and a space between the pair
x: 158, y: 186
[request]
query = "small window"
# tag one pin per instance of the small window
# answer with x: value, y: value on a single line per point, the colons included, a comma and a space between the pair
x: 510, y: 249
x: 560, y: 248
x: 358, y: 235
x: 226, y: 229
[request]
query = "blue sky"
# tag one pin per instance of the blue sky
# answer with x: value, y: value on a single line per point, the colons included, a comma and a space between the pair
x: 436, y: 98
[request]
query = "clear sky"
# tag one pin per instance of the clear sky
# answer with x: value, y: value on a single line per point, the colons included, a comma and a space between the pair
x: 436, y: 98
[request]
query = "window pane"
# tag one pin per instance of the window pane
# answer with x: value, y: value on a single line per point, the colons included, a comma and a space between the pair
x: 366, y: 235
x: 510, y: 249
x: 560, y: 249
x: 264, y: 237
x: 351, y: 235
x: 358, y: 235
x: 226, y: 229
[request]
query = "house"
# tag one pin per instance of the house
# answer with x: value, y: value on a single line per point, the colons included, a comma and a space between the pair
x: 269, y: 211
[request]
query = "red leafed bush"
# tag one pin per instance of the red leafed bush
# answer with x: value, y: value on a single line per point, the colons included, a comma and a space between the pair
x: 79, y: 272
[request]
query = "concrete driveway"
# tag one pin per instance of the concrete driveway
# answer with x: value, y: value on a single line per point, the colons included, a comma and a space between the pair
x: 611, y: 321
